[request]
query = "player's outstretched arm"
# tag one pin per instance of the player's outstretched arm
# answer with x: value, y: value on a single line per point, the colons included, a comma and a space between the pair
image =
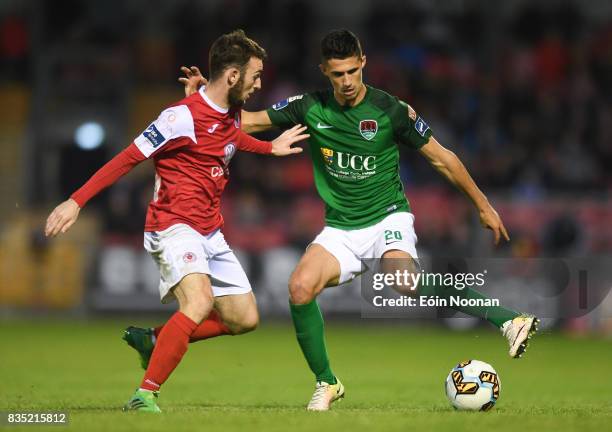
x: 62, y: 218
x: 449, y: 165
x: 256, y: 121
x: 252, y: 122
x: 66, y: 214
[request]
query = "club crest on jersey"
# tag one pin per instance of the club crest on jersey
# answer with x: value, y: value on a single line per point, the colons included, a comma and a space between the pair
x: 154, y: 136
x: 328, y: 155
x: 229, y: 150
x: 189, y: 257
x: 368, y: 128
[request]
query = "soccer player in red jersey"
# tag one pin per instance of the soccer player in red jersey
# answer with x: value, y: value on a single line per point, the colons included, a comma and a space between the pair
x: 191, y: 144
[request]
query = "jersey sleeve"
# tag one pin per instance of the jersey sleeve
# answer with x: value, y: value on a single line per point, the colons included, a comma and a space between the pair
x: 249, y: 144
x: 121, y: 164
x: 174, y: 125
x: 410, y: 128
x: 289, y: 112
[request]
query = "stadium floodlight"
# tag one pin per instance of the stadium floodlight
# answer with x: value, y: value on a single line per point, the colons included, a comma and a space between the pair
x: 89, y: 136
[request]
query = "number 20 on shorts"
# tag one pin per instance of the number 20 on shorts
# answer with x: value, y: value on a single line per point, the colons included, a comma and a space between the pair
x: 392, y: 235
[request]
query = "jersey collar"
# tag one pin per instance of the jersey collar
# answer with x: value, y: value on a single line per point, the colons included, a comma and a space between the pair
x: 211, y: 103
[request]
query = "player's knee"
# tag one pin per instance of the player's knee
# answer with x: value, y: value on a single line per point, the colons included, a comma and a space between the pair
x: 400, y: 263
x: 198, y: 305
x: 301, y: 289
x: 407, y: 289
x: 244, y: 322
x: 247, y: 324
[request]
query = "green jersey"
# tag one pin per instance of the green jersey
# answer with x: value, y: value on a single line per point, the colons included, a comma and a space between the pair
x: 354, y: 152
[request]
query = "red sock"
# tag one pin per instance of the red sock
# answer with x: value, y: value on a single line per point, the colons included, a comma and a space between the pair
x: 209, y: 328
x: 170, y: 347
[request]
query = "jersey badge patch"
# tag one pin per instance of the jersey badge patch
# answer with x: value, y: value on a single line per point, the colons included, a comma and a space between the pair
x: 282, y: 104
x: 229, y: 150
x: 368, y: 128
x: 328, y: 155
x: 154, y: 136
x: 421, y: 127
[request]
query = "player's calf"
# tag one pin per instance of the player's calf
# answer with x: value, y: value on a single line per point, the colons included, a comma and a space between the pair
x: 238, y: 312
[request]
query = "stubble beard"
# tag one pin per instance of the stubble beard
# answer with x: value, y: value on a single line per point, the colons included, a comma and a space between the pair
x: 234, y: 96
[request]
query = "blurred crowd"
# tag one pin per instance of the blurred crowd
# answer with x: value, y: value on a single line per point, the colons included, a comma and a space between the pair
x: 522, y: 94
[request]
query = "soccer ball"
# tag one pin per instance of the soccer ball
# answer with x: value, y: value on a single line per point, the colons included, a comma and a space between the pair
x: 473, y: 385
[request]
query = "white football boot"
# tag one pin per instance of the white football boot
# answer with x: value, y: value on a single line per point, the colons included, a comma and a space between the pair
x: 518, y: 331
x: 324, y: 395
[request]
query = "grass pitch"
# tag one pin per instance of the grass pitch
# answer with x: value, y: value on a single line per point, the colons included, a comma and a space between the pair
x: 394, y: 378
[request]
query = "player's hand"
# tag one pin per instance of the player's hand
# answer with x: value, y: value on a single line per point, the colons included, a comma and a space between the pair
x: 281, y: 146
x: 62, y: 218
x: 491, y: 220
x: 192, y: 80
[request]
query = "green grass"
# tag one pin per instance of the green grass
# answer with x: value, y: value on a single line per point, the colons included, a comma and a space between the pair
x: 393, y: 375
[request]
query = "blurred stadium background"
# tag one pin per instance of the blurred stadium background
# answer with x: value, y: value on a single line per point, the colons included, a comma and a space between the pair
x: 520, y: 90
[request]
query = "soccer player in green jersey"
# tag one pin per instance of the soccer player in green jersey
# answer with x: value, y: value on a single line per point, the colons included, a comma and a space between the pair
x: 354, y: 132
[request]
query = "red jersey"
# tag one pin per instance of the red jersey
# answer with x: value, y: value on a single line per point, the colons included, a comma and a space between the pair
x: 191, y: 143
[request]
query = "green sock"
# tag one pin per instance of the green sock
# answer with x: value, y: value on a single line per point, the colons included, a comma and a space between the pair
x: 496, y: 315
x: 310, y: 333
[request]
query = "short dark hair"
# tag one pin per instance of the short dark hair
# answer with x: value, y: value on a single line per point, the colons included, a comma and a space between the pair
x: 233, y: 49
x: 340, y: 44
